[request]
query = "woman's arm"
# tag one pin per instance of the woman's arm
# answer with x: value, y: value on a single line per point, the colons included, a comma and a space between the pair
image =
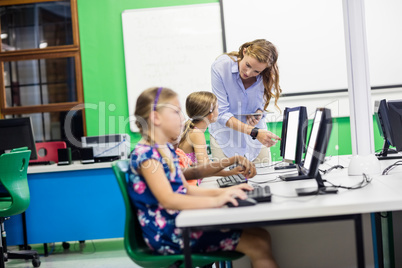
x: 264, y: 136
x: 162, y: 190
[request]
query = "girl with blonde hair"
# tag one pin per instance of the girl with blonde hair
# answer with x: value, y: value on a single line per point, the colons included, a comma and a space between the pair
x: 159, y: 190
x: 202, y: 109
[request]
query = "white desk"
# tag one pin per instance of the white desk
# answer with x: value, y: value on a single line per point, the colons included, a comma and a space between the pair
x: 379, y: 195
x: 76, y: 165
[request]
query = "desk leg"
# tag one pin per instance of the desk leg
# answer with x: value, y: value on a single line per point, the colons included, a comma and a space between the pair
x: 359, y: 240
x: 187, y: 249
x: 376, y: 229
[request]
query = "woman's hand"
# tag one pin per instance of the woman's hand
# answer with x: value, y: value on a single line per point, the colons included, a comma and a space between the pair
x: 267, y: 138
x: 229, y: 194
x: 253, y: 120
x: 244, y: 167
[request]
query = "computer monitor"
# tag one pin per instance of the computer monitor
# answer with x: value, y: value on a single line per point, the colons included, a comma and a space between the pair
x: 316, y: 150
x: 388, y: 126
x: 16, y: 133
x: 294, y: 132
x: 395, y: 118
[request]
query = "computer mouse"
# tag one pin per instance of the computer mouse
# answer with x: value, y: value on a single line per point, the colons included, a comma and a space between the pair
x: 243, y: 202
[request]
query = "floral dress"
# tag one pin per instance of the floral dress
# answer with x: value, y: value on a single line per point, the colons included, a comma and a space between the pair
x: 158, y: 224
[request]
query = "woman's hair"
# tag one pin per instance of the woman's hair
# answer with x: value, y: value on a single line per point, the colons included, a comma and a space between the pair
x: 198, y: 106
x: 265, y: 52
x: 148, y: 101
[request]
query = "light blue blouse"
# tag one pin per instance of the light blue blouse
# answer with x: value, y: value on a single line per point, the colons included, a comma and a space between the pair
x: 234, y: 99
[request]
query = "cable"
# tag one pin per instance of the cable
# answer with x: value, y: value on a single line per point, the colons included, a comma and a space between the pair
x: 261, y: 182
x: 365, y: 181
x: 391, y: 167
x: 277, y: 172
x: 326, y: 171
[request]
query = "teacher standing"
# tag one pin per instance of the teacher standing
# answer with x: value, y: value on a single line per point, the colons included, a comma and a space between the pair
x: 244, y: 83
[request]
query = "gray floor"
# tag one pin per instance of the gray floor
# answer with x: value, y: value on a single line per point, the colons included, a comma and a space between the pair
x: 96, y: 253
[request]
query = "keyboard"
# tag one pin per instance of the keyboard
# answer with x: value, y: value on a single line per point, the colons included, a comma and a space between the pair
x: 260, y: 193
x: 231, y: 180
x: 41, y: 163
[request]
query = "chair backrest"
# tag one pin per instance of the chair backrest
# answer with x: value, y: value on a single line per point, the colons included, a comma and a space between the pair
x: 49, y: 149
x: 13, y: 176
x: 134, y: 240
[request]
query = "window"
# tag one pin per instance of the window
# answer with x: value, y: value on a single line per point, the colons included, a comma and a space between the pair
x: 41, y: 65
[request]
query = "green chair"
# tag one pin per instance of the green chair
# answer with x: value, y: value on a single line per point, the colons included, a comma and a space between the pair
x: 13, y: 177
x: 135, y: 245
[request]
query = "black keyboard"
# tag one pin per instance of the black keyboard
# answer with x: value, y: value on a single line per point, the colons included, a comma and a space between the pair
x: 260, y: 193
x: 231, y: 180
x: 41, y: 163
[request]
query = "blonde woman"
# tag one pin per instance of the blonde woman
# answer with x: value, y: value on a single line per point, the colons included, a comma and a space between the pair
x: 245, y: 82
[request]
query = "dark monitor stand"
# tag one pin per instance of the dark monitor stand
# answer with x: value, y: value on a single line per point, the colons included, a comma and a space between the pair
x: 388, y: 154
x: 321, y: 189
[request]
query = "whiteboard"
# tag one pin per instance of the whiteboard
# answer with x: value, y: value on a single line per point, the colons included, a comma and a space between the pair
x: 309, y: 36
x: 172, y: 47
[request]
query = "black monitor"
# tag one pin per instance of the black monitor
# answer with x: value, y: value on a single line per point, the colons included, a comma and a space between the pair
x: 294, y: 132
x: 16, y: 133
x: 315, y: 154
x: 389, y: 125
x: 316, y: 150
x: 395, y: 118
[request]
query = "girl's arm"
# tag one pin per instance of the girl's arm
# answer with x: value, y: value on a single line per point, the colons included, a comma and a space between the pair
x: 199, y: 144
x: 162, y: 190
x: 197, y: 137
x: 246, y: 167
x: 199, y: 191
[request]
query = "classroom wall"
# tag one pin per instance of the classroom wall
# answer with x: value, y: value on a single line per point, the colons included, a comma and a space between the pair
x: 105, y: 92
x: 104, y: 79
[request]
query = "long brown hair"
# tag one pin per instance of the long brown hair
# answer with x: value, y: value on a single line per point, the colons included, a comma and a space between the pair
x: 265, y: 52
x: 143, y: 108
x: 198, y: 105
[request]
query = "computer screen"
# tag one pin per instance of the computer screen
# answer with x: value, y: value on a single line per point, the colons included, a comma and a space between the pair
x: 294, y: 131
x: 312, y: 140
x: 388, y: 126
x: 16, y: 133
x: 316, y: 150
x: 395, y: 118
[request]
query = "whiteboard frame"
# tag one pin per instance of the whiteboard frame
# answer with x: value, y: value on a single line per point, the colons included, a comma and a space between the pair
x: 199, y: 55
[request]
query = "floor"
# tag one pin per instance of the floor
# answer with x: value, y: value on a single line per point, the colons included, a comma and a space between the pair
x: 95, y: 253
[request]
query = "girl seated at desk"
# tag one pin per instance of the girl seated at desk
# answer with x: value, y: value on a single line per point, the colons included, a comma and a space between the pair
x: 159, y: 190
x: 202, y: 109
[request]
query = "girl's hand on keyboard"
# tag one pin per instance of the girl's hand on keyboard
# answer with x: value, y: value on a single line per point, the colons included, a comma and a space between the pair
x: 245, y: 167
x: 243, y: 186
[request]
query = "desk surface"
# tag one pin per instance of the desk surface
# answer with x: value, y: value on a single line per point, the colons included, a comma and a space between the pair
x: 384, y: 193
x: 76, y: 165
